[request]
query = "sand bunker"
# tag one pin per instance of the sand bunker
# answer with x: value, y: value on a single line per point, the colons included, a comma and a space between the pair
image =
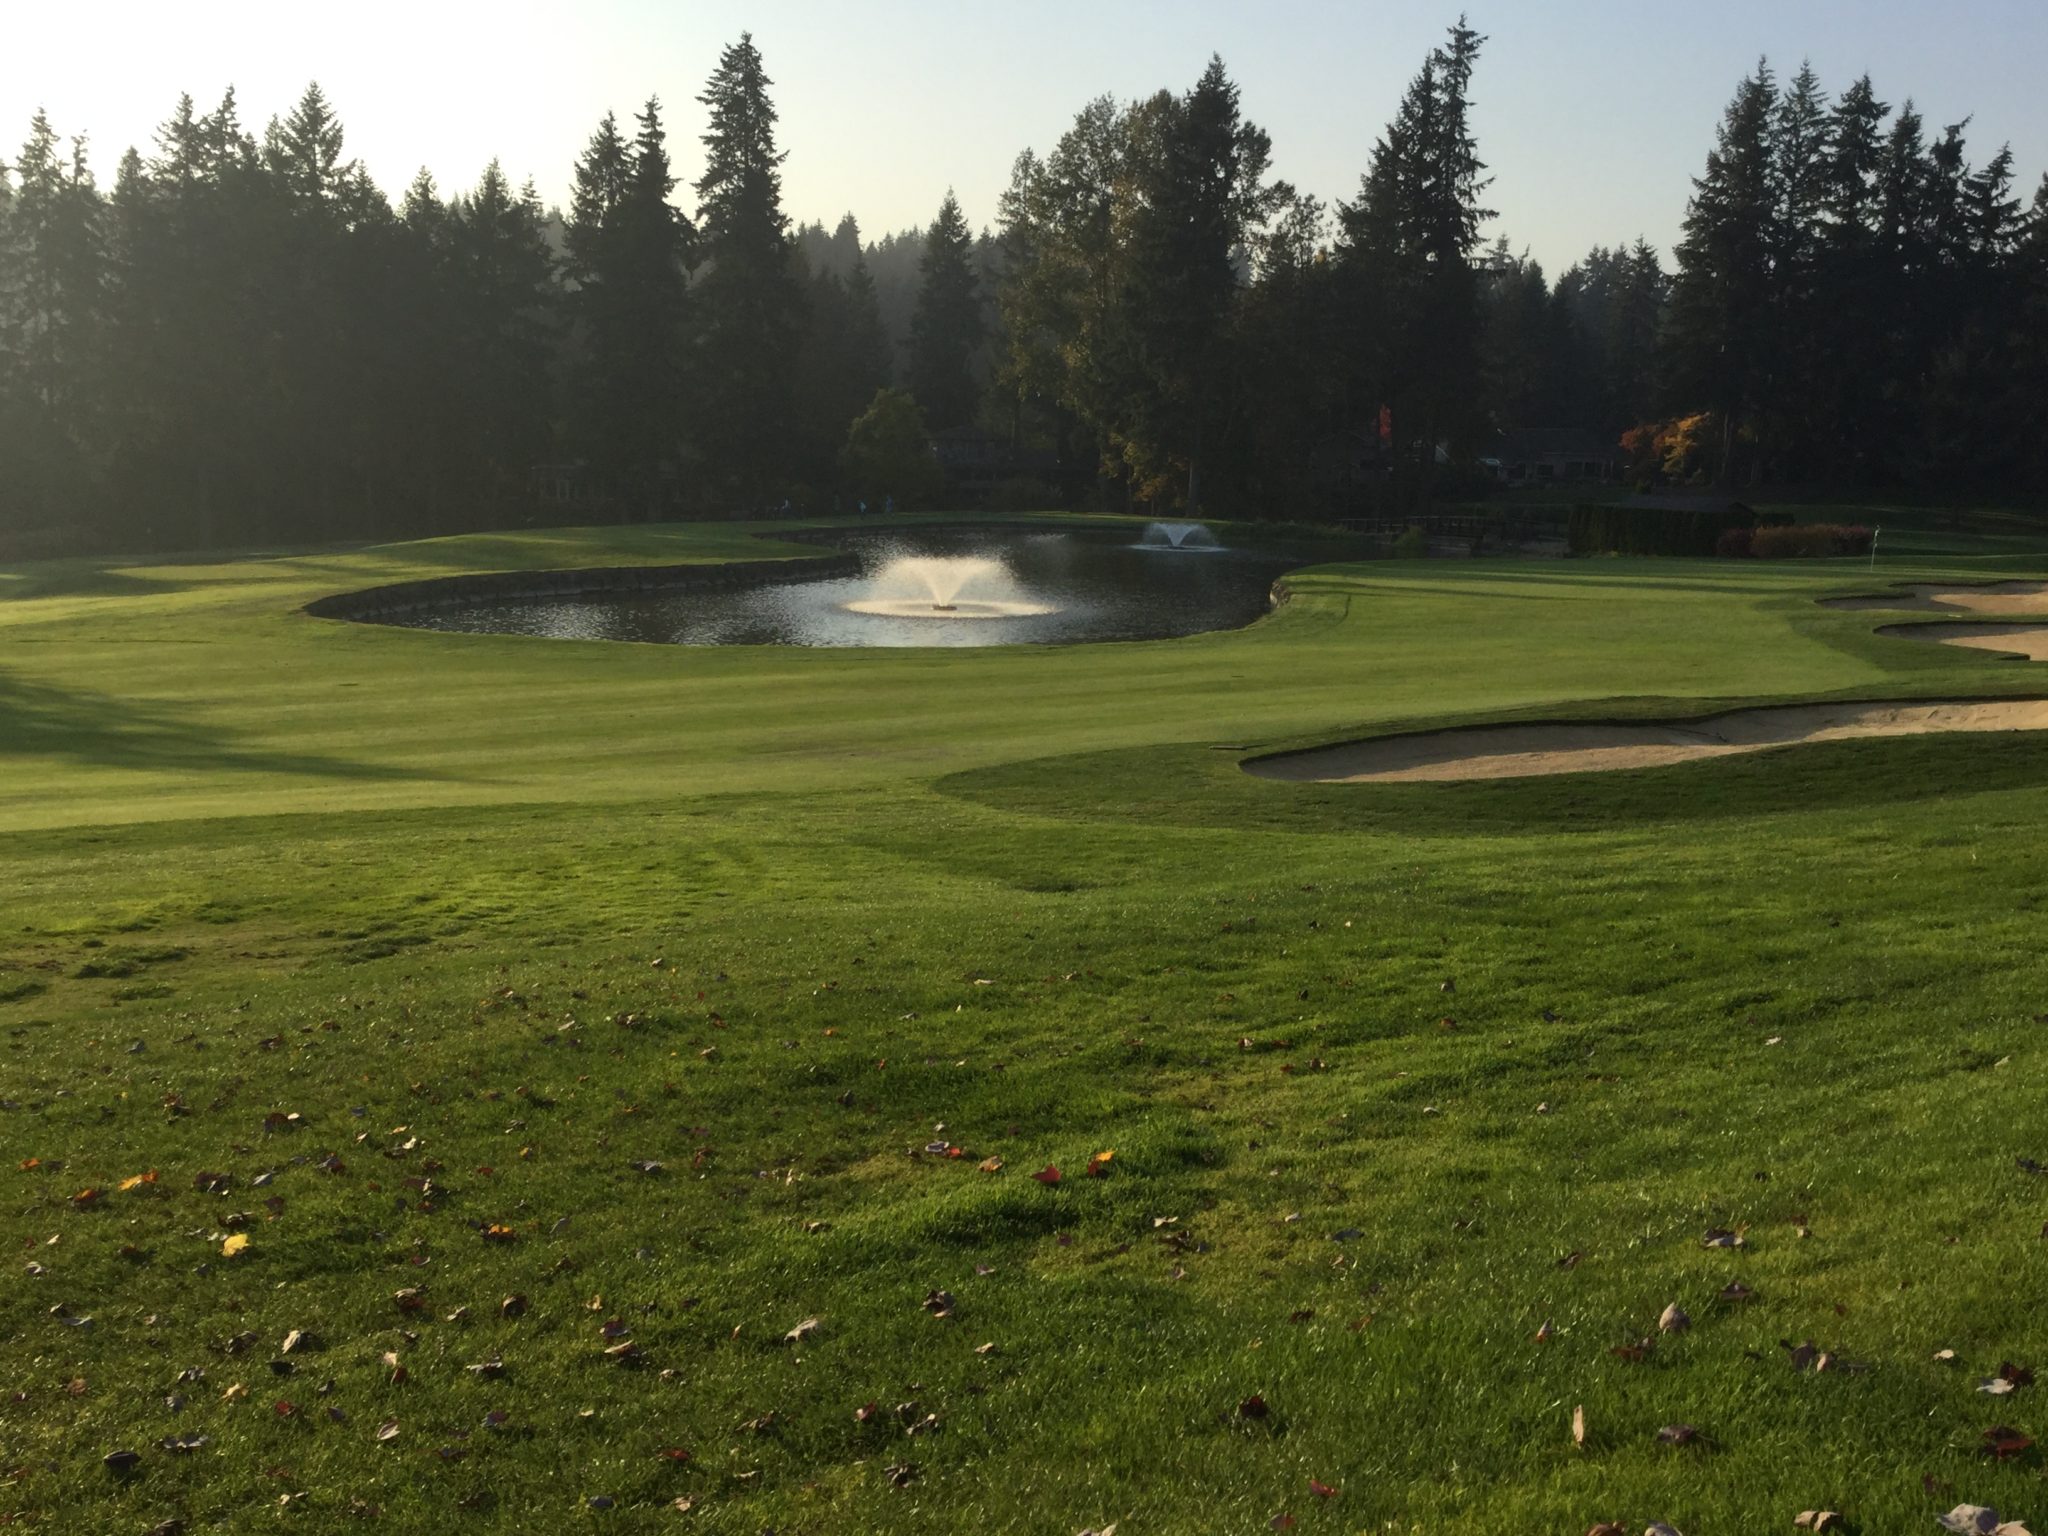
x: 1527, y: 751
x: 2028, y: 640
x: 1994, y: 597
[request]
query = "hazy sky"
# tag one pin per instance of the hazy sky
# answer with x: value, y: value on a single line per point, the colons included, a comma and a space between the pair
x: 1593, y: 113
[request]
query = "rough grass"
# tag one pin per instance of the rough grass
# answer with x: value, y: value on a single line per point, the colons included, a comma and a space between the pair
x: 475, y: 910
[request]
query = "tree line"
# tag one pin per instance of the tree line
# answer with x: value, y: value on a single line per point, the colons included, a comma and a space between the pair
x: 245, y: 339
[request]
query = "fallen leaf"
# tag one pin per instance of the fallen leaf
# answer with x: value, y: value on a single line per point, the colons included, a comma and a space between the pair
x: 1098, y: 1165
x: 2002, y: 1442
x: 991, y: 1165
x: 1971, y: 1519
x: 388, y: 1430
x: 119, y: 1462
x: 1678, y: 1434
x: 1579, y: 1426
x: 234, y: 1245
x: 801, y: 1331
x: 1818, y: 1520
x: 1722, y: 1237
x: 939, y: 1303
x: 1673, y: 1319
x: 1253, y: 1407
x: 1047, y: 1175
x: 1321, y: 1490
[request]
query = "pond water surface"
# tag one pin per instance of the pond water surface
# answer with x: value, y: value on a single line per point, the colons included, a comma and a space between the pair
x: 937, y: 587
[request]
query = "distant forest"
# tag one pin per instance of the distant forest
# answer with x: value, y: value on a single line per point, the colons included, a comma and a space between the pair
x: 245, y: 340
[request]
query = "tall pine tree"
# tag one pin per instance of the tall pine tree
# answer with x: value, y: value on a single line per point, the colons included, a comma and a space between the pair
x: 627, y: 252
x: 749, y: 305
x: 947, y: 328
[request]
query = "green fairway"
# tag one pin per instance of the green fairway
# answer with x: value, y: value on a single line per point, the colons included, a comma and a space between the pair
x: 635, y: 982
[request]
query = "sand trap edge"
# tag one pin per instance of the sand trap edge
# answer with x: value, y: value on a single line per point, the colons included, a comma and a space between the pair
x: 1546, y: 748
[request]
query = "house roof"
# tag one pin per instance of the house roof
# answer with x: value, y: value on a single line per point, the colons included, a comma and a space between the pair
x: 1521, y: 445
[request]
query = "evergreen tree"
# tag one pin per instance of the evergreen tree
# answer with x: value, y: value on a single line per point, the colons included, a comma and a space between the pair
x: 749, y: 304
x: 627, y: 254
x: 1722, y: 298
x: 947, y: 328
x: 1203, y: 200
x: 1407, y: 246
x: 1063, y: 219
x: 845, y: 357
x: 52, y: 325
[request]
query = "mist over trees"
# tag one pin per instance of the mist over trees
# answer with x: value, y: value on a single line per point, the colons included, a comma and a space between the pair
x: 244, y: 340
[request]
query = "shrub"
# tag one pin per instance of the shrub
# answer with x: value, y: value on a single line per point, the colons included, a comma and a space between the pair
x: 1811, y: 541
x: 1618, y: 528
x: 888, y: 454
x: 1412, y: 545
x: 1736, y: 543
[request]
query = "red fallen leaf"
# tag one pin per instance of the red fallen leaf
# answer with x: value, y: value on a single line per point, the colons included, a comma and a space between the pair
x: 1634, y: 1353
x: 2003, y: 1441
x: 283, y: 1408
x: 1098, y: 1165
x: 2018, y: 1375
x: 866, y: 1412
x: 86, y: 1197
x: 1281, y: 1523
x: 1253, y: 1407
x: 1321, y: 1490
x: 496, y: 1233
x: 675, y: 1453
x: 1047, y: 1175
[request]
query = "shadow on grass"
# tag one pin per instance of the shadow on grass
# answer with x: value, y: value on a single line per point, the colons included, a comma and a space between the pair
x: 1195, y: 787
x: 80, y: 578
x: 82, y: 726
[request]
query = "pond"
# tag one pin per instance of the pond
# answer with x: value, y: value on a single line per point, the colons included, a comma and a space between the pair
x: 926, y: 587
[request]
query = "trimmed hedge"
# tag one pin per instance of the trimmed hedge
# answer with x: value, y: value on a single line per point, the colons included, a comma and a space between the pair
x: 1619, y: 529
x: 1810, y: 541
